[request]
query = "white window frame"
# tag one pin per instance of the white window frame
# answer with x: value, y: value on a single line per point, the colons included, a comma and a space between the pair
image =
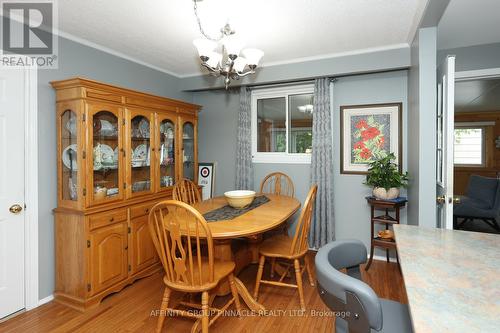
x: 475, y: 125
x: 277, y: 92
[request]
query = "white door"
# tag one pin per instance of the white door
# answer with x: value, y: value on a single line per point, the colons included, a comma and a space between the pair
x: 445, y: 140
x: 12, y: 113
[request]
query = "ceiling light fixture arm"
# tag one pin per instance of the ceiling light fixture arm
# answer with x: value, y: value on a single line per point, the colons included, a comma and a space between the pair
x: 248, y: 72
x: 206, y: 65
x: 227, y: 71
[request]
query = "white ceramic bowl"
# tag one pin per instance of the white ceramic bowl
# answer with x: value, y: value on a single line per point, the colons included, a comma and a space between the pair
x: 239, y: 199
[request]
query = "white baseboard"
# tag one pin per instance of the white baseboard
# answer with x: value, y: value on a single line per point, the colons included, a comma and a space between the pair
x: 45, y: 300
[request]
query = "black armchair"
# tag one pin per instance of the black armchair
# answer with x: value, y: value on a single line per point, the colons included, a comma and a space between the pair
x: 482, y: 202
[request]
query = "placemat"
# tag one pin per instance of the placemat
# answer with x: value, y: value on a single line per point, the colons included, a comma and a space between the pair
x: 228, y: 213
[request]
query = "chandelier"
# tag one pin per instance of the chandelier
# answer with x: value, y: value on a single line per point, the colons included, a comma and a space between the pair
x: 227, y: 63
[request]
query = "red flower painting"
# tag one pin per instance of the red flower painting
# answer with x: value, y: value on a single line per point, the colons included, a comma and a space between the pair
x: 359, y: 145
x: 365, y: 154
x: 369, y: 133
x: 361, y: 124
x: 369, y: 138
x: 381, y: 142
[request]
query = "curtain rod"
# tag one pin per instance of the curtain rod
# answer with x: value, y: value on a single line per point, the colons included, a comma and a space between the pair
x: 332, y: 78
x: 292, y: 82
x: 283, y: 84
x: 261, y: 85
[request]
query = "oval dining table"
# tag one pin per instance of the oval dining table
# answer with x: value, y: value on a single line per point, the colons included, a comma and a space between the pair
x: 250, y: 226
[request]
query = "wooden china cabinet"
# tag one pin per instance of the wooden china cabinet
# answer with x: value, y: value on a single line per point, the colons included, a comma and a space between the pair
x: 119, y: 152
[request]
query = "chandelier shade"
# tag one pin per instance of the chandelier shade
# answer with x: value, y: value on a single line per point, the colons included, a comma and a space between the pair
x: 253, y: 56
x: 204, y: 46
x: 239, y: 64
x: 214, y: 59
x: 232, y: 45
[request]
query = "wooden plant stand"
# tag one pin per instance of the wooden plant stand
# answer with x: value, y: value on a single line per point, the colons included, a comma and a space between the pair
x: 387, y: 220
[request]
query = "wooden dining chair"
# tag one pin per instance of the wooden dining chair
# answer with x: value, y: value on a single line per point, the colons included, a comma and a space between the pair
x: 281, y: 184
x: 290, y: 249
x: 277, y: 183
x: 186, y: 191
x: 177, y: 230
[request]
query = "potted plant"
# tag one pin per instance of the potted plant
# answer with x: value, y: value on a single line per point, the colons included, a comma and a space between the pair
x: 384, y: 176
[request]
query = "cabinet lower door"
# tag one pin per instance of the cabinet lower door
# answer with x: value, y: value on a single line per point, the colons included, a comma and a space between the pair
x: 143, y: 250
x: 108, y: 256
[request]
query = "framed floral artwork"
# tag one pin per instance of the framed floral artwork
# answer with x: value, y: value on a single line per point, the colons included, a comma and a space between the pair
x: 367, y: 133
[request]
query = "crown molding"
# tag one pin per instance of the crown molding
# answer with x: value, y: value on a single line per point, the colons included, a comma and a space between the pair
x: 115, y: 53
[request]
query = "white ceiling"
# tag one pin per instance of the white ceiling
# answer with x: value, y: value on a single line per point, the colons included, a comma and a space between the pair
x: 468, y: 23
x: 477, y: 95
x: 160, y: 32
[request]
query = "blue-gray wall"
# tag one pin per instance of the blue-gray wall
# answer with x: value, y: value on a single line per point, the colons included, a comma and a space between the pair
x: 427, y: 128
x: 79, y: 60
x: 352, y: 214
x: 413, y: 133
x: 422, y: 129
x: 217, y: 136
x: 473, y: 57
x: 217, y: 124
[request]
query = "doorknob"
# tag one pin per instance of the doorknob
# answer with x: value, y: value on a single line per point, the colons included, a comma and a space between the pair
x: 15, y: 209
x: 441, y: 199
x: 456, y: 200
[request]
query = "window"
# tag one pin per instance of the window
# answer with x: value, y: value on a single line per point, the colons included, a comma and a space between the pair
x: 282, y: 124
x: 469, y: 148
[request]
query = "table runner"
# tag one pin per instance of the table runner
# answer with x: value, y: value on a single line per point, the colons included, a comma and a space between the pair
x: 228, y: 213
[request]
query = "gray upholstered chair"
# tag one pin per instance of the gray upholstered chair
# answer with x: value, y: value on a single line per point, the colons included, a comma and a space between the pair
x: 482, y: 202
x: 347, y: 294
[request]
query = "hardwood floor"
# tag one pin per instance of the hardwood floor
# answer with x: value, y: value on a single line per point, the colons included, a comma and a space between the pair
x: 132, y: 310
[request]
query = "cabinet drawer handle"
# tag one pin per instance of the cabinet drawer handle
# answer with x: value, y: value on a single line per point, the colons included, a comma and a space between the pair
x: 126, y: 247
x: 147, y: 210
x: 111, y: 219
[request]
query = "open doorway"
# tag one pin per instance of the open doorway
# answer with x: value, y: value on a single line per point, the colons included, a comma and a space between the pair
x: 477, y: 154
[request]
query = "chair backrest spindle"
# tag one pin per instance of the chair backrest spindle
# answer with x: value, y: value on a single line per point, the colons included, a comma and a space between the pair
x: 277, y: 183
x: 177, y: 230
x: 186, y: 191
x: 299, y: 242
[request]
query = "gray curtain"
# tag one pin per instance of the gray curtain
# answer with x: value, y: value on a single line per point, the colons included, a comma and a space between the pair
x: 322, y: 227
x: 244, y: 168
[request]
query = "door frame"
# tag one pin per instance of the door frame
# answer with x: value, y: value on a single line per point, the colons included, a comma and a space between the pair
x: 478, y: 74
x: 31, y: 188
x: 487, y: 73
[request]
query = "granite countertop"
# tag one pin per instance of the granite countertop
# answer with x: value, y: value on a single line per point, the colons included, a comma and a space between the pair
x: 452, y: 278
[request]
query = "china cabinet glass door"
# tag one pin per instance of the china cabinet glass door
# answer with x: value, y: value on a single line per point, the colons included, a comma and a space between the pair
x: 166, y: 152
x: 188, y: 150
x: 105, y: 135
x: 140, y: 147
x: 69, y: 185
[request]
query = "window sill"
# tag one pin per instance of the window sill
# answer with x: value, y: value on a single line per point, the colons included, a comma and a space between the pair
x: 282, y: 158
